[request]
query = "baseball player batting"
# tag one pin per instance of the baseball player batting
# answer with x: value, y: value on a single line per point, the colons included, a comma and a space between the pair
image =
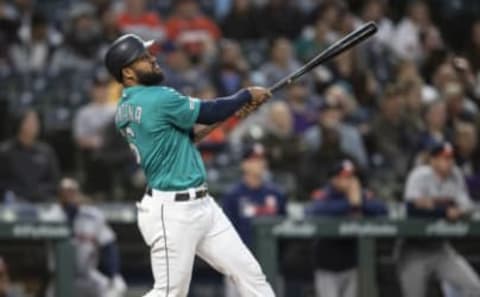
x: 177, y: 217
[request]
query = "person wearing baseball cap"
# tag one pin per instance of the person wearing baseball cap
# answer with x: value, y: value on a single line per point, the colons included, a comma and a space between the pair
x: 336, y: 259
x: 158, y: 123
x: 88, y: 125
x: 94, y: 242
x: 331, y: 113
x: 254, y: 196
x: 436, y: 190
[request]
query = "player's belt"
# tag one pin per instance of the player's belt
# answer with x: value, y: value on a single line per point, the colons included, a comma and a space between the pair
x: 184, y: 196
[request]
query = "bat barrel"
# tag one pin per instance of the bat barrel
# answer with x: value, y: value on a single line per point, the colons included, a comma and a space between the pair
x: 345, y: 43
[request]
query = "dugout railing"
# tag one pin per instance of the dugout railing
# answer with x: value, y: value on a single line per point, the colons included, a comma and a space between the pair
x: 59, y: 235
x: 268, y: 232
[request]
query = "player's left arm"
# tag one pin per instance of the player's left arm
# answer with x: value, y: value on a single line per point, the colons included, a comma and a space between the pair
x: 214, y: 112
x: 184, y: 112
x: 220, y: 109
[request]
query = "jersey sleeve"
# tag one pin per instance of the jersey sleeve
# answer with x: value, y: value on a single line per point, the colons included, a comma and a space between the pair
x: 180, y: 110
x: 414, y: 188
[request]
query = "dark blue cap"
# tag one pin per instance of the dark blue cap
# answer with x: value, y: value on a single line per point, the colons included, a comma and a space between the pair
x: 443, y: 148
x: 342, y: 168
x: 255, y: 150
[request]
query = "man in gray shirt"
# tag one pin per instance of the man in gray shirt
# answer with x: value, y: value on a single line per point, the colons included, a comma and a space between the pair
x: 88, y: 130
x: 436, y: 190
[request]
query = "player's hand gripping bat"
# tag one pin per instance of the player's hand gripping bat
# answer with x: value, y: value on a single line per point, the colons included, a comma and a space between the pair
x: 340, y: 46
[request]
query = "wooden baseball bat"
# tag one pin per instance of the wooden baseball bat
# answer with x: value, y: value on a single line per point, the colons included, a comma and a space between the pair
x: 338, y: 47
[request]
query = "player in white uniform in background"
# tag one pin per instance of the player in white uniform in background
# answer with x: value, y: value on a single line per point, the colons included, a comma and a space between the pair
x: 93, y: 240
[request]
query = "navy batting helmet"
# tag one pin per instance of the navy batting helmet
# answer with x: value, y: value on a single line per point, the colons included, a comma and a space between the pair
x: 124, y: 51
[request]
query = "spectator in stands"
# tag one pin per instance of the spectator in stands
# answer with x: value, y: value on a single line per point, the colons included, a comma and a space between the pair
x: 412, y: 93
x: 36, y: 44
x: 89, y: 123
x: 24, y: 10
x: 341, y: 94
x: 473, y: 47
x: 101, y: 6
x: 435, y: 119
x: 375, y: 11
x: 81, y: 51
x: 181, y: 73
x: 336, y: 259
x: 29, y: 170
x: 316, y: 164
x: 458, y: 105
x: 436, y: 190
x: 394, y: 139
x: 466, y: 144
x: 443, y: 74
x: 468, y: 78
x: 9, y: 21
x: 241, y: 23
x: 284, y: 148
x: 407, y: 40
x: 95, y: 246
x: 280, y: 18
x: 348, y: 21
x: 330, y: 11
x: 309, y: 46
x: 5, y: 285
x: 110, y: 27
x: 406, y: 70
x: 301, y: 105
x: 376, y: 53
x: 137, y: 19
x: 231, y: 71
x: 82, y: 35
x: 331, y: 118
x: 192, y: 30
x: 281, y: 62
x: 252, y: 197
x: 9, y: 24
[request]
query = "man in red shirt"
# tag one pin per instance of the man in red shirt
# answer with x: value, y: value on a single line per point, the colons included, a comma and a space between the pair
x: 195, y: 32
x: 137, y: 19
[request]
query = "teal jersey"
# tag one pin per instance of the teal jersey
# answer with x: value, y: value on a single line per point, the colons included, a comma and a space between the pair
x: 156, y: 121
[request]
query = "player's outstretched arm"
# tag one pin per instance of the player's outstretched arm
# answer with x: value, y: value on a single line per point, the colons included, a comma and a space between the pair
x: 220, y: 109
x: 258, y: 95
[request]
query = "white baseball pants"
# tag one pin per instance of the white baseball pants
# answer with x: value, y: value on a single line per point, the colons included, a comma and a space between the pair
x: 177, y: 231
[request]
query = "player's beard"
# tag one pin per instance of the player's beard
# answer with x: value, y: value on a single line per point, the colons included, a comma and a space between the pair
x: 150, y: 78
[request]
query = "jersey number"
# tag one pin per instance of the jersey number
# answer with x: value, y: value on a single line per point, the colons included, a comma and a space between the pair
x: 129, y: 134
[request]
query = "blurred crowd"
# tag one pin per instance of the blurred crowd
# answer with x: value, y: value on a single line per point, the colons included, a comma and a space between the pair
x: 382, y: 105
x: 395, y: 119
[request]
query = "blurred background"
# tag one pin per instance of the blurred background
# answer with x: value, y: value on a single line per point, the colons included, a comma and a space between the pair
x: 389, y: 129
